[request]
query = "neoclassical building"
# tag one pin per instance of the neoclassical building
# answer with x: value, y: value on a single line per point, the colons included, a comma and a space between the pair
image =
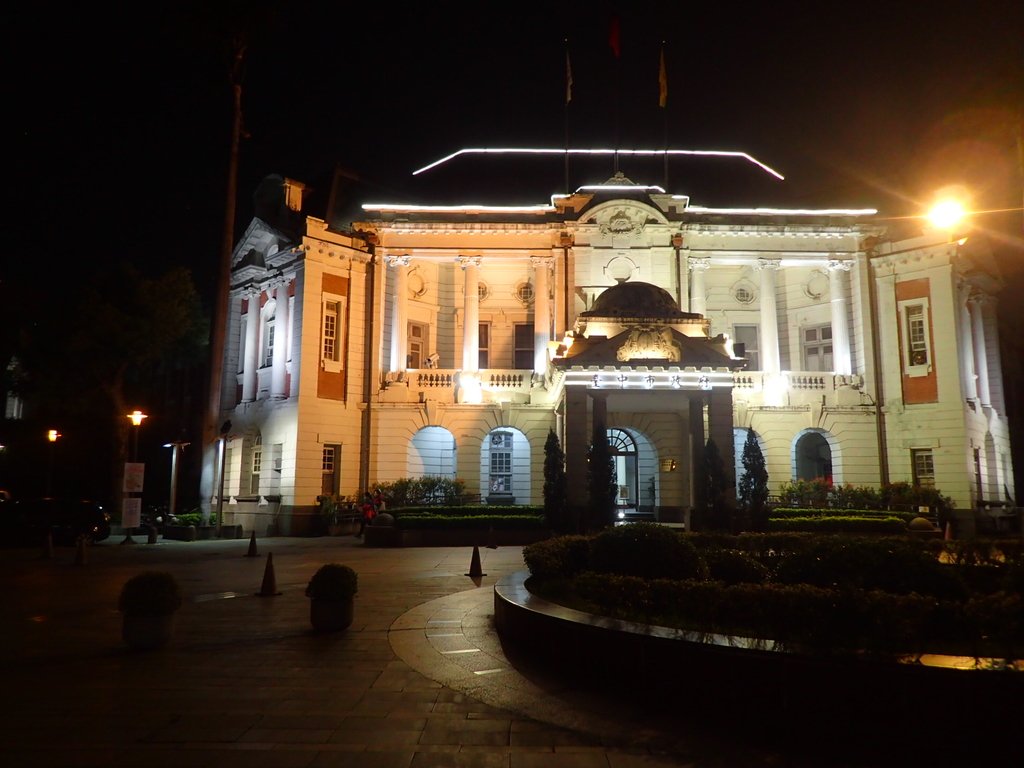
x: 449, y: 340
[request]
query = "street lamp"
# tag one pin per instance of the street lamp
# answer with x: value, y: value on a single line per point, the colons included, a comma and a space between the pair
x: 176, y: 446
x: 133, y: 483
x: 52, y: 436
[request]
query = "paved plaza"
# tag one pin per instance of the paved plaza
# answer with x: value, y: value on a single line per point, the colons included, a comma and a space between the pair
x: 420, y: 680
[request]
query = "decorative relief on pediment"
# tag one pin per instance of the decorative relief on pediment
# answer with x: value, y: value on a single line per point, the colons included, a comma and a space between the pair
x: 647, y: 342
x: 623, y: 221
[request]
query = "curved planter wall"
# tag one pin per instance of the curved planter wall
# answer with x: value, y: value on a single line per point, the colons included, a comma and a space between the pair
x: 677, y: 668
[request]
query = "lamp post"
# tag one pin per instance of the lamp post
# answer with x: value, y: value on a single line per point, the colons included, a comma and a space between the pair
x: 133, y: 480
x: 176, y: 446
x: 225, y: 428
x: 52, y: 436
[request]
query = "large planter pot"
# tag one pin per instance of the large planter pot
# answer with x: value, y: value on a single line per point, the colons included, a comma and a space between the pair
x: 146, y: 633
x: 330, y: 615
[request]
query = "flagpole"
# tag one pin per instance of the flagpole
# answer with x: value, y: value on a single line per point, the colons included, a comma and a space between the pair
x: 568, y: 98
x: 615, y: 42
x: 663, y: 103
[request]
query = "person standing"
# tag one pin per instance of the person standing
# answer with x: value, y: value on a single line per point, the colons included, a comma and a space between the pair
x: 369, y: 511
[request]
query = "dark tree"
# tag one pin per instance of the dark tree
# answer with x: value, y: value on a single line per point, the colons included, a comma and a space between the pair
x: 119, y: 340
x: 601, y: 481
x: 753, y: 486
x: 555, y: 507
x: 717, y: 513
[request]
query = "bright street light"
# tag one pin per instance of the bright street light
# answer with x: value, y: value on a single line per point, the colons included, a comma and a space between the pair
x: 137, y: 416
x: 947, y: 214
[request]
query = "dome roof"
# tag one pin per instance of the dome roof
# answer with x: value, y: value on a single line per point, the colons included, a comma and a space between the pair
x: 635, y: 299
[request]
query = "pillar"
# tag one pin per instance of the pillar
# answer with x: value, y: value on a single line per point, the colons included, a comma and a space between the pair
x: 698, y: 291
x: 980, y: 353
x: 837, y: 282
x: 769, y: 316
x: 541, y: 314
x: 279, y: 372
x: 471, y: 312
x: 966, y: 345
x: 399, y: 323
x: 250, y: 357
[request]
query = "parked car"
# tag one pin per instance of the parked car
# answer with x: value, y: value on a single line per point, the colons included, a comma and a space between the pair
x: 26, y: 521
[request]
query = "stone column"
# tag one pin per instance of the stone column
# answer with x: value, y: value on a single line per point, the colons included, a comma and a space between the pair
x: 251, y: 354
x: 698, y: 292
x: 837, y: 281
x: 966, y: 345
x: 576, y: 444
x: 471, y: 303
x: 279, y: 372
x: 769, y: 316
x: 541, y: 314
x: 399, y: 342
x: 980, y: 353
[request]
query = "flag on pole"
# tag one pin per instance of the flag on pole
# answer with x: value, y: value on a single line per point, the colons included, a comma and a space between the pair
x: 662, y: 81
x: 613, y: 37
x: 568, y: 78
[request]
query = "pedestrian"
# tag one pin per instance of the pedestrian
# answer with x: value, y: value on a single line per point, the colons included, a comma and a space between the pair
x: 368, y: 513
x: 378, y: 501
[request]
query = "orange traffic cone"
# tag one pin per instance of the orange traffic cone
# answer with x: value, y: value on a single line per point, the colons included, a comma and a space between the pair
x: 474, y: 566
x: 252, y: 546
x: 80, y: 555
x: 949, y: 532
x: 269, y: 588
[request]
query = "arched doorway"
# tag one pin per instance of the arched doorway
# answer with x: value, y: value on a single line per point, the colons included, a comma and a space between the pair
x: 431, y: 452
x: 624, y: 456
x: 812, y: 456
x: 505, y: 467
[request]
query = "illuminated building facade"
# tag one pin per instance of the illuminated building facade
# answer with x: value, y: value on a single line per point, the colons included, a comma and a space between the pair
x: 449, y: 341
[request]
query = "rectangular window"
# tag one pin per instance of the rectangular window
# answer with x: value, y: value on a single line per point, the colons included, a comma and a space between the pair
x: 817, y: 343
x: 501, y: 462
x: 917, y: 334
x: 268, y: 343
x: 330, y: 333
x: 747, y: 336
x: 484, y: 345
x: 417, y: 350
x: 329, y: 469
x: 523, y: 352
x: 924, y: 467
x: 257, y: 464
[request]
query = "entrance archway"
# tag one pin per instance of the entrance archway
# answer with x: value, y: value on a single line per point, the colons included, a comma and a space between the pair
x: 431, y: 452
x: 812, y: 456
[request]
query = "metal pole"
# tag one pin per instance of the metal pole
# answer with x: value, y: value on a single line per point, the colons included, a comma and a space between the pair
x: 220, y: 491
x: 172, y: 502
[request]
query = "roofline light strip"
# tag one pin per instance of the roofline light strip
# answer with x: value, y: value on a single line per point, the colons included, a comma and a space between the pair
x: 641, y: 152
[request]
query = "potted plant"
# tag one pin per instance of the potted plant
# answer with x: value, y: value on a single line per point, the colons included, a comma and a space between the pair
x: 330, y: 510
x: 331, y: 591
x: 148, y: 602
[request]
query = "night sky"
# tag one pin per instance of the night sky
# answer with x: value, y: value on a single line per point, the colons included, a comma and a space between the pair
x: 122, y: 118
x: 119, y: 118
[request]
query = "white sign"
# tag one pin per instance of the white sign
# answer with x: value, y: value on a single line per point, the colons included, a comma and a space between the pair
x: 131, y: 512
x: 133, y: 472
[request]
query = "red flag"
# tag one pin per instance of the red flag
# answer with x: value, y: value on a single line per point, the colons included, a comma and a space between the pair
x: 613, y: 37
x: 662, y: 82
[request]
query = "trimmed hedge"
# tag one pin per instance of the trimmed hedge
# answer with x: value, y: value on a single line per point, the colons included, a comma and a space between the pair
x: 838, y: 524
x: 830, y: 593
x: 474, y: 522
x: 473, y: 510
x: 790, y: 512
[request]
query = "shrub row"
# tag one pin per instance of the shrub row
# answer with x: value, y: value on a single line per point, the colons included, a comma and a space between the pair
x: 812, y: 617
x: 838, y: 524
x: 469, y: 510
x: 425, y: 521
x: 786, y: 512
